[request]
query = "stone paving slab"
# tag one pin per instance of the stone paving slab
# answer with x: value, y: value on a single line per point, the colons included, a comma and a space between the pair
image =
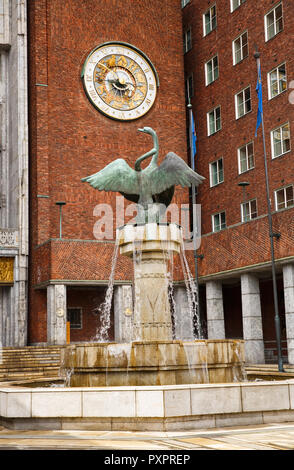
x: 260, y: 437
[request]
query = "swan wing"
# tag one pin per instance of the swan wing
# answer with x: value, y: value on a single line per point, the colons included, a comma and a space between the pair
x: 117, y: 176
x: 171, y: 172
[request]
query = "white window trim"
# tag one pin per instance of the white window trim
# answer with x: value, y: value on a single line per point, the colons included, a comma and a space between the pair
x: 242, y: 210
x: 265, y: 23
x: 234, y: 9
x: 210, y: 172
x: 269, y: 81
x: 233, y: 47
x: 236, y: 102
x: 203, y: 20
x: 212, y: 222
x: 239, y: 157
x: 207, y: 118
x: 276, y: 199
x: 81, y: 309
x: 184, y: 3
x: 272, y: 140
x: 205, y: 70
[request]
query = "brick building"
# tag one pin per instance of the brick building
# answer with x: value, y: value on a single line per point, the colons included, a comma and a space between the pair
x: 221, y: 73
x: 69, y: 138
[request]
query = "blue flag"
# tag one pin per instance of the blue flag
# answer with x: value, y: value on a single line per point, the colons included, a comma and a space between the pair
x: 193, y: 136
x: 259, y: 95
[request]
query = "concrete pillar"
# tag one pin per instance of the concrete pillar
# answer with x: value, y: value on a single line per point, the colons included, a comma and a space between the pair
x: 123, y: 313
x: 183, y: 321
x: 215, y: 310
x: 252, y: 320
x: 288, y: 277
x: 56, y: 314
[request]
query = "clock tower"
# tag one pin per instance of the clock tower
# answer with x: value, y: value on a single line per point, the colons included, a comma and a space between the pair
x: 98, y: 71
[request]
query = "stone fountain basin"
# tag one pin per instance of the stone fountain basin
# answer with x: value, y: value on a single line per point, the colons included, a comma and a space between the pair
x: 153, y: 363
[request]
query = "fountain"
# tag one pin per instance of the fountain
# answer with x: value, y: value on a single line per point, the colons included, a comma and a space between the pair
x: 153, y: 356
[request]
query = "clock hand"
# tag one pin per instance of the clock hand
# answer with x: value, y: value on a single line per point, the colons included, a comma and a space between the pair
x: 110, y: 70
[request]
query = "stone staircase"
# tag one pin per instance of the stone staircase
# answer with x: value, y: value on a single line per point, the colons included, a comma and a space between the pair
x: 30, y: 362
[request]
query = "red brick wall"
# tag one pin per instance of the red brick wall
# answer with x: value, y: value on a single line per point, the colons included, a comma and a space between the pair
x: 249, y: 243
x: 69, y: 139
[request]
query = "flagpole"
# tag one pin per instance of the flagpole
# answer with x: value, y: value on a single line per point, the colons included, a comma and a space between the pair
x: 192, y: 156
x: 271, y: 235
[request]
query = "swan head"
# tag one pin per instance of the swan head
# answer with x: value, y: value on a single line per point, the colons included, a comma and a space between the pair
x: 147, y: 130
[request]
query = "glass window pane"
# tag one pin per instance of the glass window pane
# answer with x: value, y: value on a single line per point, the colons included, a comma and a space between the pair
x: 274, y: 83
x: 209, y: 72
x: 223, y: 220
x: 289, y: 196
x: 218, y: 119
x: 211, y: 123
x: 280, y: 199
x: 237, y: 49
x: 215, y: 66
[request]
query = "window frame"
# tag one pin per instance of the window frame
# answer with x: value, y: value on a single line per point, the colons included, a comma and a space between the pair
x: 185, y: 41
x: 236, y: 8
x: 265, y: 21
x: 247, y: 157
x: 269, y: 81
x: 213, y: 224
x: 208, y: 123
x: 205, y: 33
x: 212, y: 185
x: 187, y: 85
x: 234, y: 49
x: 206, y: 73
x: 284, y: 188
x: 81, y: 317
x: 243, y: 102
x: 272, y: 140
x: 250, y: 211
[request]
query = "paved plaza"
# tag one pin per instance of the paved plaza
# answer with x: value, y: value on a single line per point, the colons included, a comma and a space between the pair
x: 262, y: 437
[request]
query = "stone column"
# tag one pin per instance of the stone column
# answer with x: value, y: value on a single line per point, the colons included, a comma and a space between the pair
x: 123, y: 313
x: 56, y: 314
x: 183, y: 320
x: 215, y: 310
x: 288, y: 277
x: 252, y: 319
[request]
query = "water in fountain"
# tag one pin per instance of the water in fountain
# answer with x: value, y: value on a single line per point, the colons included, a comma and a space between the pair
x: 105, y: 309
x: 118, y: 353
x: 192, y: 294
x: 137, y: 263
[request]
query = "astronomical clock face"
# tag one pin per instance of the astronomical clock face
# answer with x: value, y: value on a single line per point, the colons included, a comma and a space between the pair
x: 120, y: 81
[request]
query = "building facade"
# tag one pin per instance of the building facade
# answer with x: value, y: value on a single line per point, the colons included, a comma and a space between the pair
x: 220, y: 39
x: 53, y: 85
x: 14, y: 221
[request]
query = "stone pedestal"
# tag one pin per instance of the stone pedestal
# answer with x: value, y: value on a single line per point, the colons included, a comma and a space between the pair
x: 149, y: 245
x: 215, y: 310
x: 288, y: 278
x: 252, y: 320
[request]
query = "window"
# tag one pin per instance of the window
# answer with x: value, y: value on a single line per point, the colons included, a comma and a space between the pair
x: 277, y: 81
x: 243, y: 102
x: 214, y: 121
x: 240, y: 48
x: 184, y: 3
x: 284, y: 197
x: 211, y: 70
x: 273, y: 22
x: 235, y: 4
x: 189, y: 87
x: 187, y: 40
x: 218, y: 221
x: 246, y: 157
x: 280, y: 140
x: 249, y: 210
x: 209, y: 20
x: 216, y: 172
x: 74, y: 316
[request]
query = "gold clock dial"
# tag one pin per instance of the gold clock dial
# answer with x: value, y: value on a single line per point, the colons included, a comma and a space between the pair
x: 120, y: 81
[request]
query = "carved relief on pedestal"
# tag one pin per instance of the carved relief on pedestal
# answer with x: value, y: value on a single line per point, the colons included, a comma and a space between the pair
x: 6, y: 271
x: 8, y: 238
